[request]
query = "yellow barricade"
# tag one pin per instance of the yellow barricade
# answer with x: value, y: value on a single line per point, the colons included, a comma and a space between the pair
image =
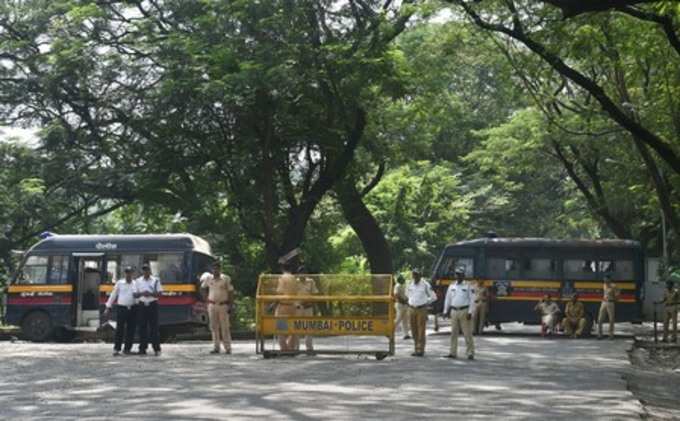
x: 292, y: 306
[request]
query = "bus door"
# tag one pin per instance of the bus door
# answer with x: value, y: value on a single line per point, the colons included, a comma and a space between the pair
x: 86, y: 291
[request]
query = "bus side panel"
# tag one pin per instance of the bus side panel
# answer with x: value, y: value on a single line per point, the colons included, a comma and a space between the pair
x: 60, y: 314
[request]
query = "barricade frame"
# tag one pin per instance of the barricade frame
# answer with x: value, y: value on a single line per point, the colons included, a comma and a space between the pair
x: 268, y: 325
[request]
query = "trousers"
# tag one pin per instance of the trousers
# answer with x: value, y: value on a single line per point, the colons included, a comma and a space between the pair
x: 148, y: 327
x: 606, y: 310
x: 219, y: 326
x: 459, y: 321
x: 126, y: 321
x: 418, y: 321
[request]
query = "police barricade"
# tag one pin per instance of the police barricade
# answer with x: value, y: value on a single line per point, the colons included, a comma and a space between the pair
x: 292, y: 309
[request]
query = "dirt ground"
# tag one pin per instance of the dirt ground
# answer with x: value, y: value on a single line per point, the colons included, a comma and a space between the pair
x: 654, y: 378
x: 513, y: 377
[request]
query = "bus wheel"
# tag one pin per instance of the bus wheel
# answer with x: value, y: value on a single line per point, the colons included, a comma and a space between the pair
x: 37, y: 327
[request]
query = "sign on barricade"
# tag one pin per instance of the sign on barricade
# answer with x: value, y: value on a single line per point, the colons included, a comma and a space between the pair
x: 291, y: 306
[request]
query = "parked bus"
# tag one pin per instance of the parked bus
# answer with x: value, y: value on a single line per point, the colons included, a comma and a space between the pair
x: 520, y: 271
x: 64, y: 280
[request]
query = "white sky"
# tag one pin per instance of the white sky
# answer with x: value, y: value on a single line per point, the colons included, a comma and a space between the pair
x: 27, y: 136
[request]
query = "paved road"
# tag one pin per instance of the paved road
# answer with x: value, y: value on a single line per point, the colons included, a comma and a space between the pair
x: 515, y: 377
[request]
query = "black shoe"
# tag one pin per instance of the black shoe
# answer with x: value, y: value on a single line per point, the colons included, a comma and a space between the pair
x: 417, y: 354
x: 407, y: 337
x: 215, y: 351
x: 451, y: 356
x: 157, y: 353
x: 116, y: 353
x: 228, y: 352
x: 127, y: 352
x: 141, y: 353
x: 471, y: 357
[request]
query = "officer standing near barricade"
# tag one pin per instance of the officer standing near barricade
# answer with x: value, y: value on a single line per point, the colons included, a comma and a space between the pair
x: 401, y: 307
x: 149, y: 290
x: 220, y: 299
x: 287, y: 285
x: 459, y: 304
x: 123, y: 295
x: 420, y: 296
x: 306, y: 286
x: 481, y: 308
x: 607, y: 309
x: 671, y: 301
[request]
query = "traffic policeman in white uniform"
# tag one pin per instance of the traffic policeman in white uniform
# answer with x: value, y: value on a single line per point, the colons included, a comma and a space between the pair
x: 126, y: 311
x: 420, y: 296
x: 149, y: 289
x: 460, y: 305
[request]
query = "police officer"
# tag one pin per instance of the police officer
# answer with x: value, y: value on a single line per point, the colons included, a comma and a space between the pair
x: 481, y: 308
x: 671, y: 300
x: 149, y: 290
x: 306, y: 286
x: 420, y: 296
x: 126, y: 311
x: 220, y: 299
x: 574, y: 317
x: 549, y: 313
x: 459, y: 304
x: 401, y: 307
x: 609, y: 297
x: 287, y: 286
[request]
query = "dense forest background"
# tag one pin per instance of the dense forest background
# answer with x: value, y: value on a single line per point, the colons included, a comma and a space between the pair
x: 370, y: 133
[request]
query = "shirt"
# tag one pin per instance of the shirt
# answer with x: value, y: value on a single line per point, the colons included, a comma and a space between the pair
x: 420, y: 294
x: 218, y: 288
x: 459, y: 295
x: 152, y: 285
x: 481, y: 294
x: 610, y: 293
x: 124, y: 293
x: 671, y: 297
x: 547, y: 309
x: 574, y: 310
x: 400, y: 293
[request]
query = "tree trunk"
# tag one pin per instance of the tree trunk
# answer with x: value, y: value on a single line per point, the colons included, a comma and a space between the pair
x: 365, y: 226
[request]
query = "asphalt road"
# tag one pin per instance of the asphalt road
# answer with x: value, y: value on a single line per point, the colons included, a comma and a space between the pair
x: 513, y: 377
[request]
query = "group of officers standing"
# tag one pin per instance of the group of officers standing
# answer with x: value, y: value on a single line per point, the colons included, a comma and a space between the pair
x: 466, y: 305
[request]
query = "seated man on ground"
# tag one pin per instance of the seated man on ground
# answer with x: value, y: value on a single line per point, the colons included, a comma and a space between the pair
x: 549, y: 315
x: 574, y: 317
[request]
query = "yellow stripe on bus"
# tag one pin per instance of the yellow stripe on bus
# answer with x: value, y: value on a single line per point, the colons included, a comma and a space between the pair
x: 598, y: 285
x: 40, y: 288
x: 585, y: 300
x: 166, y: 288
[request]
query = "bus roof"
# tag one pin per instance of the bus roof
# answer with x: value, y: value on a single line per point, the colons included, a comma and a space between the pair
x: 122, y: 243
x: 530, y: 242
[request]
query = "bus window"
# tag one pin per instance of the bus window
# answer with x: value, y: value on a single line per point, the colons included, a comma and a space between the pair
x: 580, y: 269
x: 623, y: 270
x: 132, y: 260
x: 539, y: 268
x: 605, y: 266
x: 168, y: 267
x: 34, y: 271
x: 503, y: 268
x: 58, y: 270
x: 448, y: 269
x: 201, y: 264
x: 112, y: 271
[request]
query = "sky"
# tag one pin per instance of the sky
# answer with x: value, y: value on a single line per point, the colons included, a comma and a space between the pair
x: 28, y: 136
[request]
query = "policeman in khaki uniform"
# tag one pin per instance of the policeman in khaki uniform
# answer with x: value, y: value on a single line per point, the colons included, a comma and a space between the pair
x: 574, y: 317
x: 420, y: 296
x: 459, y: 304
x: 481, y: 308
x: 288, y: 286
x: 306, y: 286
x: 609, y: 297
x: 220, y: 298
x: 671, y: 300
x: 549, y: 314
x: 401, y: 307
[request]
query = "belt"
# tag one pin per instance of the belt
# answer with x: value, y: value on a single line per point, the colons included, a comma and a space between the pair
x: 459, y: 308
x: 480, y: 301
x: 148, y: 303
x: 127, y: 307
x: 418, y: 307
x: 221, y: 303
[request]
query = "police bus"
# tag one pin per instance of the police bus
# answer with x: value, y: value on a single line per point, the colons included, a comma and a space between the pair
x: 64, y: 280
x: 520, y: 271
